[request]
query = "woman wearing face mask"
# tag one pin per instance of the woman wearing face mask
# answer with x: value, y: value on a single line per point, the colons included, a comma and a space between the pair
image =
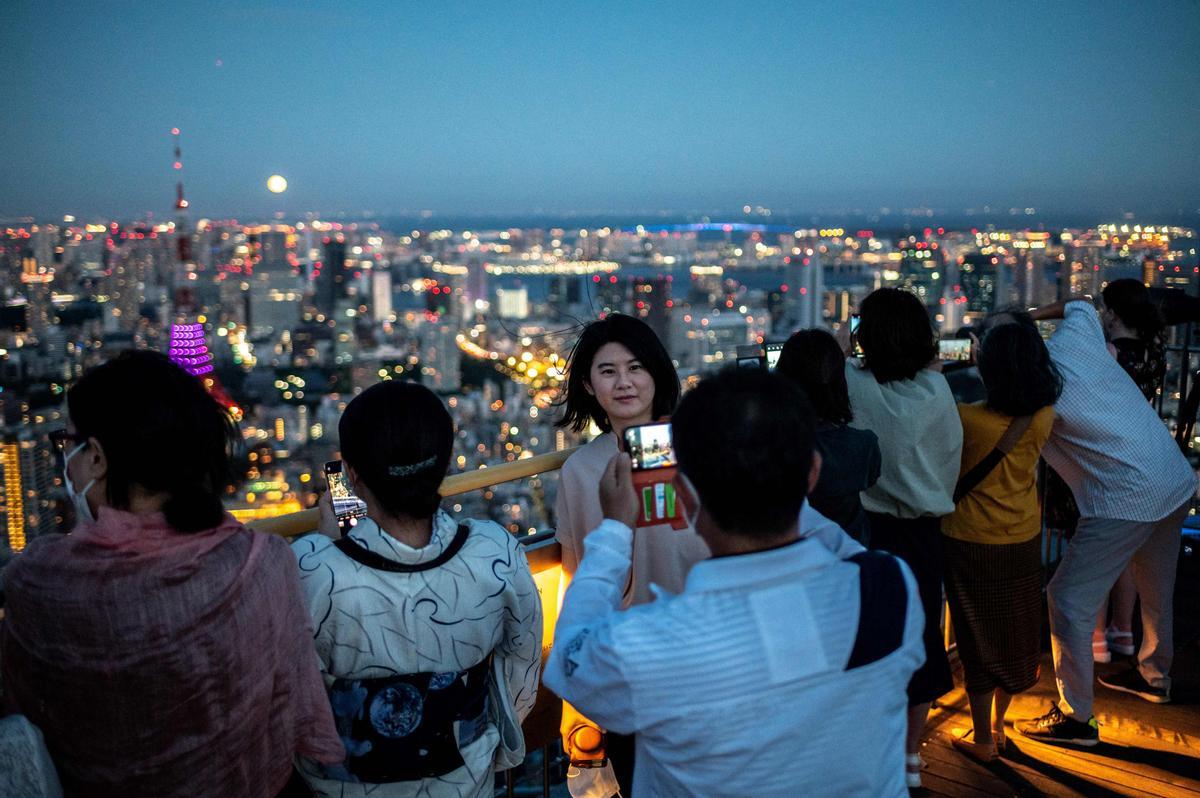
x: 619, y: 376
x: 161, y: 647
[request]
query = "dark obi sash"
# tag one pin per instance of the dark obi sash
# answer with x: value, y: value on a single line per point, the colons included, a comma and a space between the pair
x: 402, y: 728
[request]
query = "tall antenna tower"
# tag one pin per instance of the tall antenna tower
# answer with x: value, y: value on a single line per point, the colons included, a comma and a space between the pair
x: 188, y: 346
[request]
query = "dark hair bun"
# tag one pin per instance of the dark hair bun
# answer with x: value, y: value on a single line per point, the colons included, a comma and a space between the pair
x: 398, y: 437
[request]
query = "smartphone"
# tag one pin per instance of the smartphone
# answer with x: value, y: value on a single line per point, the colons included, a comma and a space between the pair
x: 855, y: 350
x: 650, y: 446
x: 346, y: 506
x: 749, y: 356
x: 773, y: 351
x: 954, y: 349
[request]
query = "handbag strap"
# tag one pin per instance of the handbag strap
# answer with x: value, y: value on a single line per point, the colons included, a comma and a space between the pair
x: 1008, y: 441
x: 370, y: 559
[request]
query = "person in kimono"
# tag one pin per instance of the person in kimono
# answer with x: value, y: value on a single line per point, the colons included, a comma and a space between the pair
x: 428, y: 628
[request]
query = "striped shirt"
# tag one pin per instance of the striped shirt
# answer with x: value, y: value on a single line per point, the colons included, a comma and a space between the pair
x: 1108, y: 443
x: 738, y: 686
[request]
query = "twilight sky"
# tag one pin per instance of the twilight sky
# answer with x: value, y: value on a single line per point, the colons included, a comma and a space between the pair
x: 514, y: 107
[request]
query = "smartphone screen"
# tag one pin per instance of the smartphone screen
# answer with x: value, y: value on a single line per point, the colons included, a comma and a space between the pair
x: 954, y: 349
x: 749, y: 356
x: 773, y: 352
x: 346, y: 506
x: 856, y: 350
x: 650, y: 446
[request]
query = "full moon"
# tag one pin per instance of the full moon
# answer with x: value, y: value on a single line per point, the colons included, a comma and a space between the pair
x: 276, y: 184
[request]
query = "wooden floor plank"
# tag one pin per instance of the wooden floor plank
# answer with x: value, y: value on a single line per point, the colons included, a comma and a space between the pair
x: 1145, y: 749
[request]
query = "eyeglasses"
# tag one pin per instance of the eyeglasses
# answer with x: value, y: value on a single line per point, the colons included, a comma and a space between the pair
x: 63, y: 440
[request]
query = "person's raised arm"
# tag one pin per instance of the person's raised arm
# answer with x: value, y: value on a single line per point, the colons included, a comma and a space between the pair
x: 1056, y: 310
x: 584, y: 666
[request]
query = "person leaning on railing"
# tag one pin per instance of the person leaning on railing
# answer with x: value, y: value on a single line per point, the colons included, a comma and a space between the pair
x: 428, y: 628
x: 780, y: 669
x: 1133, y: 487
x: 619, y: 375
x: 992, y: 539
x: 161, y: 647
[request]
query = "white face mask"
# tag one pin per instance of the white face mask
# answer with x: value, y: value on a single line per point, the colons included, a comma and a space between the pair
x: 83, y: 511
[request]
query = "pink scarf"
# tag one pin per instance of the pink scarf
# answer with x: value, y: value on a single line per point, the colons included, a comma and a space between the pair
x: 162, y: 663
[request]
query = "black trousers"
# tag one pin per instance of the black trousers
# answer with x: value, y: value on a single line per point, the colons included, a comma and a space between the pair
x: 918, y: 541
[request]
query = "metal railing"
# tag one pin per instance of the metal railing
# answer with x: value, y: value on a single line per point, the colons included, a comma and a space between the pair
x: 306, y: 521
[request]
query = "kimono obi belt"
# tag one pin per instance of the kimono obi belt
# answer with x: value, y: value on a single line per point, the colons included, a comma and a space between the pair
x: 408, y: 727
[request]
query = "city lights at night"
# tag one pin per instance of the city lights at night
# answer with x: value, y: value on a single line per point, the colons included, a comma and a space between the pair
x: 452, y: 195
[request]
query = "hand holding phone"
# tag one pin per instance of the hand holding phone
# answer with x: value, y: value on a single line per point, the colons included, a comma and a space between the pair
x: 617, y: 498
x: 651, y: 451
x: 347, y: 507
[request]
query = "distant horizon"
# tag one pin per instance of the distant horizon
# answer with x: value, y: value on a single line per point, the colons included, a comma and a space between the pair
x: 862, y: 218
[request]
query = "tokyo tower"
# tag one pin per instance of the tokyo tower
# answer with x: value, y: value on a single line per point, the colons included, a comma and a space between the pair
x: 188, y: 345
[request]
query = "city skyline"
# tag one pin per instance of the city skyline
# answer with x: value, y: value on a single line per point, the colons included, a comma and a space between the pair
x: 811, y: 108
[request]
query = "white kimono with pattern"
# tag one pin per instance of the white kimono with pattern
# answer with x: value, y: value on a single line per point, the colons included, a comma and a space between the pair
x: 371, y: 624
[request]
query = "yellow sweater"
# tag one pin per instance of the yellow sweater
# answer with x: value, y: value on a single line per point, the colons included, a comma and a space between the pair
x: 1003, y: 508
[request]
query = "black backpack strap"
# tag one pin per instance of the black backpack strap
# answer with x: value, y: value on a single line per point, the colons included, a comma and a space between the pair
x: 370, y: 559
x: 883, y: 608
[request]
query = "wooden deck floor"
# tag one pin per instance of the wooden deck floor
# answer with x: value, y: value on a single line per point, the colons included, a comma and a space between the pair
x: 1145, y: 749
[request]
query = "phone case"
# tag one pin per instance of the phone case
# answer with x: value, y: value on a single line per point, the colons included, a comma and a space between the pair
x: 658, y: 501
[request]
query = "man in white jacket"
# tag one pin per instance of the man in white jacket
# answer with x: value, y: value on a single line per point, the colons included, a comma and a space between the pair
x: 759, y: 679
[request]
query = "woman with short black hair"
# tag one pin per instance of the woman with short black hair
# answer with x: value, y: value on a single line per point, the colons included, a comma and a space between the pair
x: 161, y: 647
x: 898, y: 393
x: 428, y: 629
x: 992, y: 539
x: 619, y: 375
x: 850, y: 460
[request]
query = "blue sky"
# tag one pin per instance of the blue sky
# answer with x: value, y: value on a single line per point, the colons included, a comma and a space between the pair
x: 515, y: 107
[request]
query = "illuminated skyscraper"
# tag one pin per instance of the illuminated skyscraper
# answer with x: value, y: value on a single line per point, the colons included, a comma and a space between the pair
x: 381, y: 295
x: 331, y: 277
x: 978, y: 275
x: 651, y: 302
x: 805, y: 297
x: 28, y: 490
